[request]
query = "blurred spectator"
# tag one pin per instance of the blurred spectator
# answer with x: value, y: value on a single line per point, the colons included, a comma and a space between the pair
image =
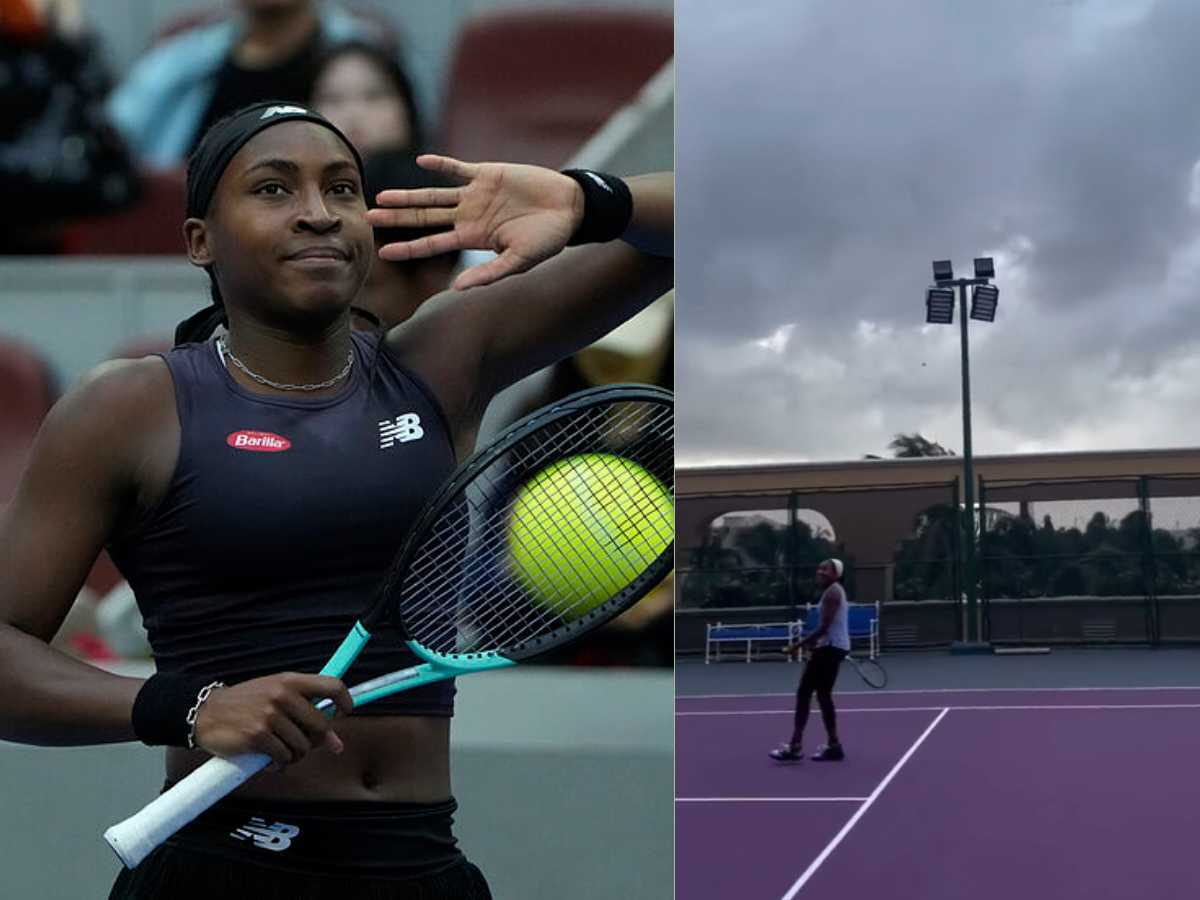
x: 58, y: 156
x: 394, y: 290
x: 186, y: 83
x: 365, y: 91
x: 640, y: 350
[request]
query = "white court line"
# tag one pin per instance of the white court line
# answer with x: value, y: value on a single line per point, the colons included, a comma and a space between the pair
x: 887, y: 709
x: 770, y: 799
x: 1082, y: 706
x: 775, y: 712
x: 1048, y: 690
x: 816, y: 864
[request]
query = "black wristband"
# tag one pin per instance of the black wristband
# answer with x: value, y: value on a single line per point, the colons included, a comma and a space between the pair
x: 607, y: 207
x: 161, y: 708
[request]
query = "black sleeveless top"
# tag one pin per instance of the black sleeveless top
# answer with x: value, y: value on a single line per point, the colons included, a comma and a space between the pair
x: 281, y: 520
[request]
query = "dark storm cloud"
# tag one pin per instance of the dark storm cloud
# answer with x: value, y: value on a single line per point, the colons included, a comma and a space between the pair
x: 828, y: 151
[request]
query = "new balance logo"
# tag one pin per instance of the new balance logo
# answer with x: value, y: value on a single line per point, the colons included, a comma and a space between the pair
x: 400, y: 429
x: 282, y: 111
x: 266, y: 837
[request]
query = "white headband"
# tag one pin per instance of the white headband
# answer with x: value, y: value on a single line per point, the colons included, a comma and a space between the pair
x: 837, y: 566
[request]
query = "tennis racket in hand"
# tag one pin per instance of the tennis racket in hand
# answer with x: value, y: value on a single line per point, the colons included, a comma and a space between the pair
x: 870, y: 670
x: 558, y: 526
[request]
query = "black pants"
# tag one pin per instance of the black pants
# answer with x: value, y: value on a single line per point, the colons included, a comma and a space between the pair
x: 291, y: 850
x: 820, y: 675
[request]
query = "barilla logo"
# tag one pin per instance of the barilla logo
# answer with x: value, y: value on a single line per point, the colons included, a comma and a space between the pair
x: 258, y: 441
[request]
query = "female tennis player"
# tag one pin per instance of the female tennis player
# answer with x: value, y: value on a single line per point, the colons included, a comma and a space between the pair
x: 253, y: 488
x: 831, y: 641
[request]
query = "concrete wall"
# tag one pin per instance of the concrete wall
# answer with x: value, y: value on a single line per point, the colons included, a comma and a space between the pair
x: 1042, y: 621
x: 571, y: 768
x: 931, y: 623
x: 77, y: 311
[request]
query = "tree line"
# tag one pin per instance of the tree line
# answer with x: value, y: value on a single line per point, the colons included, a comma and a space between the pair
x: 769, y: 564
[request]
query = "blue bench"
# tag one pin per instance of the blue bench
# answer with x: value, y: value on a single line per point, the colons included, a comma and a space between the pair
x: 863, y: 624
x: 771, y: 632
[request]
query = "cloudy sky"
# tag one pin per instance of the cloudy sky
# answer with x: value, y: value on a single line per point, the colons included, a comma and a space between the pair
x: 827, y: 151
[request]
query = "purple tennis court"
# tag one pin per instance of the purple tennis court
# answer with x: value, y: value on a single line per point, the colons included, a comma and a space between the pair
x: 984, y: 792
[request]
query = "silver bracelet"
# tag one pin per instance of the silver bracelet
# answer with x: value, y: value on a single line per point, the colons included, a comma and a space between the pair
x: 195, y: 711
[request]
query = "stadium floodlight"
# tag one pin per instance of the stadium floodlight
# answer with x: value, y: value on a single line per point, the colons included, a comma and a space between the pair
x: 939, y: 310
x: 983, y: 302
x: 943, y: 270
x: 939, y: 306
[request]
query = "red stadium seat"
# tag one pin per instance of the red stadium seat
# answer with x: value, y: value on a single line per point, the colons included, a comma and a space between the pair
x: 533, y: 86
x: 153, y: 225
x: 27, y: 391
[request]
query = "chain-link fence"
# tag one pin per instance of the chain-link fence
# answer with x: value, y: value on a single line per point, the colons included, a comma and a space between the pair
x: 1100, y: 561
x: 756, y: 559
x: 1091, y: 561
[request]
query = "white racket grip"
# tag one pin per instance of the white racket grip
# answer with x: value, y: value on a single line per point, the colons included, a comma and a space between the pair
x: 136, y: 837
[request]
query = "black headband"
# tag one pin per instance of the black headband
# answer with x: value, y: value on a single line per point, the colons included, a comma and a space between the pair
x: 224, y: 139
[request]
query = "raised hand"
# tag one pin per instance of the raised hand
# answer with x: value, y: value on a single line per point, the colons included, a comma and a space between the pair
x: 526, y: 214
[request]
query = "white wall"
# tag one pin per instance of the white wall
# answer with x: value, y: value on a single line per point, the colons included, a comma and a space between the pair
x: 76, y: 311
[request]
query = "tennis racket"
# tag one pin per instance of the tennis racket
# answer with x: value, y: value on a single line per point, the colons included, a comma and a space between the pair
x: 870, y: 670
x: 472, y: 589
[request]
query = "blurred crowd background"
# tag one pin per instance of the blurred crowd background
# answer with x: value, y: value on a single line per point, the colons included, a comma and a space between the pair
x: 103, y: 101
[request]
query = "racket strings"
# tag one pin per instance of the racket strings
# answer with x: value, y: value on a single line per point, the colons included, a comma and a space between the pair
x: 460, y: 593
x: 593, y: 530
x: 589, y: 531
x: 510, y: 623
x: 528, y: 618
x: 488, y: 486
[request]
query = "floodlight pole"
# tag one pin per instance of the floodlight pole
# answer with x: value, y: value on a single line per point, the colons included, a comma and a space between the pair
x: 972, y: 639
x: 971, y: 623
x: 943, y: 276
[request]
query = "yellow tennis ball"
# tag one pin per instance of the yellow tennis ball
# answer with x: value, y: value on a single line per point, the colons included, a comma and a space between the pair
x: 585, y: 527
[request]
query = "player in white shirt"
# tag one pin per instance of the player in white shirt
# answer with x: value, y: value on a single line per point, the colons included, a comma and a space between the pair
x: 829, y: 645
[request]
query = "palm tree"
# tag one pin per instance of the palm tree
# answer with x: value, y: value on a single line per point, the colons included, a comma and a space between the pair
x: 925, y: 561
x: 762, y: 543
x: 915, y: 445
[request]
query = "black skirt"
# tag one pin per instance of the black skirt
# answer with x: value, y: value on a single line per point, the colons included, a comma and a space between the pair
x: 324, y: 850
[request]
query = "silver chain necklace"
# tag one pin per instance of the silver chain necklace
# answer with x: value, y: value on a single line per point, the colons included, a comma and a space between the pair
x: 223, y: 349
